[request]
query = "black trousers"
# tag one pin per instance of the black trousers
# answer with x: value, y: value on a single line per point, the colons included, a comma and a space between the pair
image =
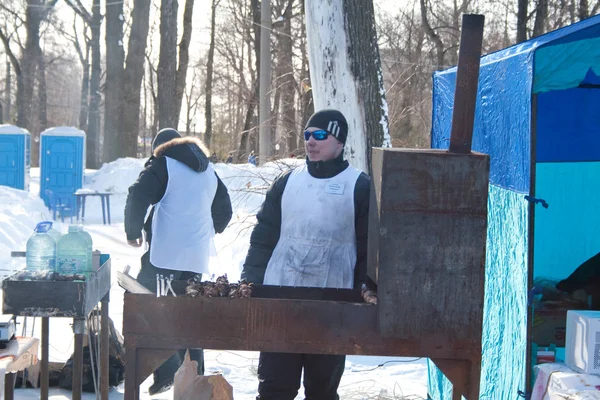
x: 279, y: 376
x: 147, y: 277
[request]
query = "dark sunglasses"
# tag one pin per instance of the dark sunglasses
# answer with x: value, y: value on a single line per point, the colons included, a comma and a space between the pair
x: 318, y: 135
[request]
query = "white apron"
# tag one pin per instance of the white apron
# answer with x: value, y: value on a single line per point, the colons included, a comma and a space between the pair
x: 317, y: 245
x: 182, y: 227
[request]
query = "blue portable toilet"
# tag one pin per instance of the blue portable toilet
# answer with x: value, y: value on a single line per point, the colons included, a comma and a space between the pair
x: 62, y: 162
x: 15, y: 157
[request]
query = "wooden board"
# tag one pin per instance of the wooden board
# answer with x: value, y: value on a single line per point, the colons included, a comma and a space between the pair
x: 428, y: 227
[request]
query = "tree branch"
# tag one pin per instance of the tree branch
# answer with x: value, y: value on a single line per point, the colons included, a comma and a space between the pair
x: 12, y: 12
x: 80, y: 10
x: 10, y: 54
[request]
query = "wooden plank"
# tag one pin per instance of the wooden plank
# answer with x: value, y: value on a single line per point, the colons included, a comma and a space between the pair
x: 274, y: 325
x: 428, y: 238
x: 130, y: 284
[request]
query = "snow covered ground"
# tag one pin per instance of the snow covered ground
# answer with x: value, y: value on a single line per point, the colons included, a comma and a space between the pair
x: 396, y: 378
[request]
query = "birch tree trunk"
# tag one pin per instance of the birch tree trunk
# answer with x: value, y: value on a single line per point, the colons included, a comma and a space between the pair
x: 345, y: 72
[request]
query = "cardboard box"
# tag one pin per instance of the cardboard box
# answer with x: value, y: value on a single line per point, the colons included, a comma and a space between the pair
x: 549, y: 327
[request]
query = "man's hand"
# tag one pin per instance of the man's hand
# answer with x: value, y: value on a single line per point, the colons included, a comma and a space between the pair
x: 136, y: 242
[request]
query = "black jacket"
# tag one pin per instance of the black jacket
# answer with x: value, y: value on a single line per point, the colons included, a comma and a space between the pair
x: 151, y: 185
x: 266, y: 233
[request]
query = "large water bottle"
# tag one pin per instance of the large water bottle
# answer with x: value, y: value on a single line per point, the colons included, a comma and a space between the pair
x: 41, y: 249
x: 72, y: 253
x: 55, y: 234
x: 88, y: 238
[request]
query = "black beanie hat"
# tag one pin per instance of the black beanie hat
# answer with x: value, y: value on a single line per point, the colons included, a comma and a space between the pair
x: 163, y: 136
x: 332, y: 121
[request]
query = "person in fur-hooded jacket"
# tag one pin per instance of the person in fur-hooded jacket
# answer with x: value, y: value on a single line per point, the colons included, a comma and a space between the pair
x: 189, y: 205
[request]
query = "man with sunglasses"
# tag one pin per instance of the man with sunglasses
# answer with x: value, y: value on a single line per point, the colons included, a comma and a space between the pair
x: 311, y: 232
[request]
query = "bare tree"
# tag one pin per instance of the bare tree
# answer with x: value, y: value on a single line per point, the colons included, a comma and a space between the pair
x: 133, y: 75
x: 209, y: 75
x: 541, y: 15
x: 93, y: 152
x: 184, y: 57
x: 113, y: 88
x: 8, y: 92
x: 27, y: 67
x: 167, y: 65
x: 522, y: 21
x: 193, y: 96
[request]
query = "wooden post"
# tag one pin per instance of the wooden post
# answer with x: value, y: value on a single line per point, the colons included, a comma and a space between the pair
x: 132, y: 385
x: 44, y: 367
x: 9, y: 386
x: 104, y: 349
x: 78, y: 330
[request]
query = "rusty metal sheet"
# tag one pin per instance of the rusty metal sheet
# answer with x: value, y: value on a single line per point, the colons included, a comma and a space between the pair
x: 427, y: 241
x: 296, y: 326
x: 56, y: 298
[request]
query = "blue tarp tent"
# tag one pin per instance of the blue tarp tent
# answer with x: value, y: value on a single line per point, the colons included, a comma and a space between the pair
x: 538, y: 117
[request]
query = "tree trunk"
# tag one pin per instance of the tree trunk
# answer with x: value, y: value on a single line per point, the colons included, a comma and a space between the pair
x: 42, y: 94
x: 92, y: 158
x: 151, y: 76
x: 439, y: 45
x: 113, y: 98
x: 7, y: 93
x: 184, y: 55
x: 15, y: 64
x: 541, y: 15
x: 29, y: 65
x: 133, y: 75
x: 85, y: 94
x: 522, y: 21
x: 341, y: 33
x: 167, y: 65
x: 209, y: 77
x: 306, y: 101
x: 249, y: 119
x: 583, y: 9
x: 287, y: 82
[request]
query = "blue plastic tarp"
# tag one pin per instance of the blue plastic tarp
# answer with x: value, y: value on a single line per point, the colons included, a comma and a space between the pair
x: 568, y: 125
x: 502, y: 118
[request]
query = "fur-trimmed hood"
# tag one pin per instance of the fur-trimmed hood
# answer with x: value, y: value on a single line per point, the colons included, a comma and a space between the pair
x: 189, y: 150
